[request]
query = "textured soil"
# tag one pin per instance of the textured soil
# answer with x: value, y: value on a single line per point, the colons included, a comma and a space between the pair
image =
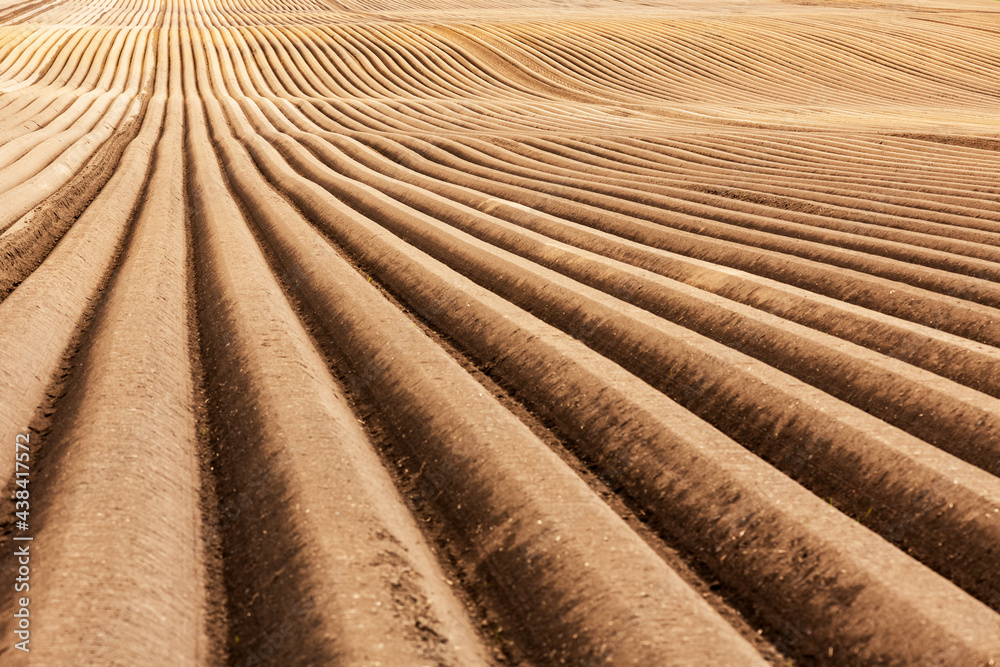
x: 580, y: 332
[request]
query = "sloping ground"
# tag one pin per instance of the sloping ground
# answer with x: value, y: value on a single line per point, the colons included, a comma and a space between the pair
x: 435, y: 333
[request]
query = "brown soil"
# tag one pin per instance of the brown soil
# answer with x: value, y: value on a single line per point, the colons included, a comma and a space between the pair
x: 439, y: 333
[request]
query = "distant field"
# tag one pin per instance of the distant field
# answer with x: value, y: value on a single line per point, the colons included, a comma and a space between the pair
x: 468, y: 333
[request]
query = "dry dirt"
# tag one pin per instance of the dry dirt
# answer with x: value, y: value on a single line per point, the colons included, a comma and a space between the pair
x: 582, y: 332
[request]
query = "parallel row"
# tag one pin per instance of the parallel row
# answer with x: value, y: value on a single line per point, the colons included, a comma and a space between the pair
x: 275, y: 260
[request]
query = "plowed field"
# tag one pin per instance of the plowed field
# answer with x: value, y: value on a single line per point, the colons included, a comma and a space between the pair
x: 467, y: 333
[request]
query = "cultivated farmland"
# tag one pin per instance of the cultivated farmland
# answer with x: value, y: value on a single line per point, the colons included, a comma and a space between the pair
x: 582, y: 332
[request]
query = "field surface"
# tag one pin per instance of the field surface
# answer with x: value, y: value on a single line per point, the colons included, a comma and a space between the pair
x: 427, y: 332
